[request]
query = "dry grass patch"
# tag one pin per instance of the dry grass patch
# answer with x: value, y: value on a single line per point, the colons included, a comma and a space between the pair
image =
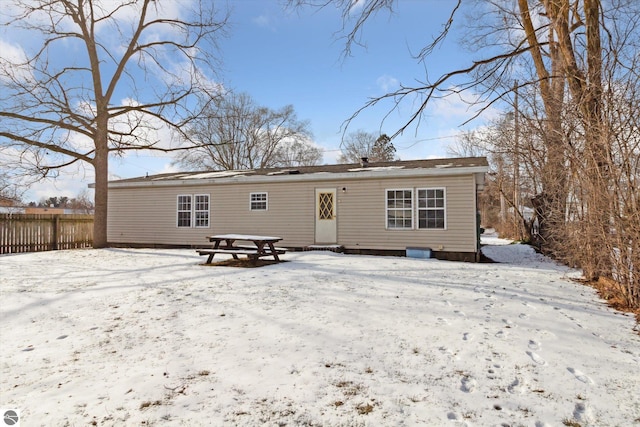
x: 243, y: 263
x: 147, y: 404
x: 364, y: 409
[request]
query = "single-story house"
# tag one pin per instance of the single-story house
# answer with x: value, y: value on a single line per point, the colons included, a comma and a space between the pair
x: 369, y: 207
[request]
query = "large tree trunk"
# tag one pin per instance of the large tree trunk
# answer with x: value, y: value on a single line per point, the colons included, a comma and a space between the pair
x: 597, y: 153
x: 585, y: 85
x: 101, y: 166
x: 551, y: 203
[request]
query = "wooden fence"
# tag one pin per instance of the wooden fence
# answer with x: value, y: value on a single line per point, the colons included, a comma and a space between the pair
x: 44, y: 232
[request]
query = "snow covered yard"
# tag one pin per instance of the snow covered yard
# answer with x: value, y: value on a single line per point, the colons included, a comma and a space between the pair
x: 150, y: 337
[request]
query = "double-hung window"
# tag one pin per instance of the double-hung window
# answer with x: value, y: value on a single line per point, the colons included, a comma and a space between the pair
x: 193, y: 211
x: 201, y: 210
x: 258, y: 201
x: 428, y: 205
x: 400, y: 209
x: 431, y: 208
x: 184, y: 210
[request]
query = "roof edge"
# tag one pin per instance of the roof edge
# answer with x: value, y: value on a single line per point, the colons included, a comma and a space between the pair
x: 315, y: 176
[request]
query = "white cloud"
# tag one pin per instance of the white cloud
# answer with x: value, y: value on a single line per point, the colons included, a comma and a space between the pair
x: 169, y: 168
x: 457, y: 108
x: 11, y: 53
x: 263, y: 21
x: 174, y: 9
x: 13, y: 63
x: 66, y: 185
x: 387, y: 83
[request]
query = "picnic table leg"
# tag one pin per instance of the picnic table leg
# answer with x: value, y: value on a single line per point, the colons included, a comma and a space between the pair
x: 216, y: 245
x: 253, y: 259
x: 230, y: 245
x: 273, y: 251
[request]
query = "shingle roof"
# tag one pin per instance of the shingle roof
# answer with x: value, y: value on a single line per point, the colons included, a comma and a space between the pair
x: 447, y: 163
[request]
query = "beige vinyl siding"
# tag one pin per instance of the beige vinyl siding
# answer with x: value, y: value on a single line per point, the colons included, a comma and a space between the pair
x: 361, y: 216
x: 147, y: 215
x: 290, y: 205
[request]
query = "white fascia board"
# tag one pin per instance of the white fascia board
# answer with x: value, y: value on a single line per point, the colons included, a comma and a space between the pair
x: 318, y: 176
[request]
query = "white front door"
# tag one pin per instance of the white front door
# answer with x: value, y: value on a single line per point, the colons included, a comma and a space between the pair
x: 326, y: 224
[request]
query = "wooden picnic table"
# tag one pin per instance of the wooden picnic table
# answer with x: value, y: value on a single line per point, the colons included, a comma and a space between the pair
x: 262, y: 246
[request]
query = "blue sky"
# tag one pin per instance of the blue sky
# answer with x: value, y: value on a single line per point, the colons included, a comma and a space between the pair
x: 282, y: 57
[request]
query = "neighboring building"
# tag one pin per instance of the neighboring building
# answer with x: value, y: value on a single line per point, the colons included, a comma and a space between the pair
x: 42, y: 210
x: 367, y: 208
x: 6, y: 201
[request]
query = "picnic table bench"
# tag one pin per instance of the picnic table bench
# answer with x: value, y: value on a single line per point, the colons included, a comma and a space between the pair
x: 263, y: 246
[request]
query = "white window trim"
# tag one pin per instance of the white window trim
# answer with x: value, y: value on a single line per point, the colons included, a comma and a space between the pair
x: 192, y: 216
x: 194, y: 210
x: 386, y: 209
x: 178, y: 211
x: 418, y: 208
x: 266, y: 201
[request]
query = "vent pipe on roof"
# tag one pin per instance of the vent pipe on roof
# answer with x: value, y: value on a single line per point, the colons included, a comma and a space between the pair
x: 364, y: 161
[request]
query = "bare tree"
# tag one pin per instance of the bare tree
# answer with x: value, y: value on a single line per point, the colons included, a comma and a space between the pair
x: 359, y: 144
x: 516, y: 162
x: 299, y: 153
x: 468, y: 144
x: 9, y: 187
x: 103, y: 77
x: 233, y: 132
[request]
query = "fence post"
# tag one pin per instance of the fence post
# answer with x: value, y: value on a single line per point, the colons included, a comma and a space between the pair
x: 56, y: 232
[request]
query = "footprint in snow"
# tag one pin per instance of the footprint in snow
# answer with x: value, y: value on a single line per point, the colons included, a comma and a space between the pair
x: 517, y: 386
x: 580, y: 376
x: 468, y: 385
x: 467, y: 336
x: 491, y: 373
x: 536, y: 358
x: 534, y: 345
x: 583, y: 414
x: 502, y: 334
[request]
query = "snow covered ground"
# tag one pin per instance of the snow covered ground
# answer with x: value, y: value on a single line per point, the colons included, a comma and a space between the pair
x: 151, y: 337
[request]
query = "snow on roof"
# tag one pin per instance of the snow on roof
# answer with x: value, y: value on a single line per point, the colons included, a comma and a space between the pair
x: 284, y: 172
x: 376, y: 169
x: 217, y: 174
x: 401, y: 167
x: 169, y: 176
